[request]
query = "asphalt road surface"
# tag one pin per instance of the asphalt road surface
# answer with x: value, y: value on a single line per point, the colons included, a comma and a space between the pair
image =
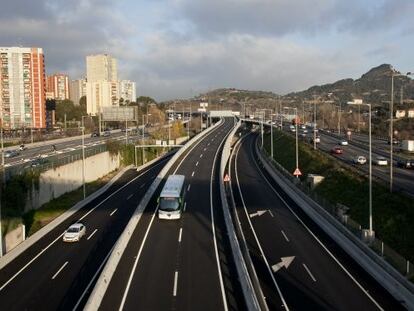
x: 181, y: 264
x: 53, y: 275
x: 299, y: 267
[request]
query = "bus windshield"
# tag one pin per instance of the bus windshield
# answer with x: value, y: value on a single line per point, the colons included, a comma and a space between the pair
x: 169, y: 204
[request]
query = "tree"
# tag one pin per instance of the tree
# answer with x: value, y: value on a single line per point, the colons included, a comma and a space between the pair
x: 145, y: 100
x: 72, y: 112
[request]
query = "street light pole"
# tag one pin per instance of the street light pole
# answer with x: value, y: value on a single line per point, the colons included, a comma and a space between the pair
x: 314, y: 125
x: 391, y: 130
x: 371, y: 231
x: 83, y: 158
x: 271, y: 135
x: 297, y: 142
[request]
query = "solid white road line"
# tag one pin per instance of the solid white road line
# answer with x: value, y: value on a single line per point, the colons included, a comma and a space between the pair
x: 92, y: 280
x: 205, y: 149
x: 285, y: 236
x: 192, y: 174
x: 197, y: 163
x: 286, y: 307
x: 185, y: 206
x: 142, y: 186
x: 130, y: 196
x: 319, y: 241
x: 310, y: 274
x: 213, y: 228
x: 189, y: 186
x: 113, y: 212
x: 134, y: 267
x: 91, y: 235
x: 61, y: 268
x: 201, y: 155
x: 180, y: 235
x: 175, y: 283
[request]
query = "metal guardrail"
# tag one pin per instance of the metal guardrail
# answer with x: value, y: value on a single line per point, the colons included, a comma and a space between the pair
x: 348, y: 235
x: 249, y: 292
x: 108, y: 271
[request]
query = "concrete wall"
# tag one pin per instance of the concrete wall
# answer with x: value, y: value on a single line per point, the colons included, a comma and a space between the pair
x: 55, y: 182
x: 13, y: 238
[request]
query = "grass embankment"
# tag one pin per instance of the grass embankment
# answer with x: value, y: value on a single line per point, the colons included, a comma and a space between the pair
x: 393, y: 214
x: 34, y: 220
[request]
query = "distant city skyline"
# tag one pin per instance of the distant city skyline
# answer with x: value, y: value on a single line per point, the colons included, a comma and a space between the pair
x: 176, y: 49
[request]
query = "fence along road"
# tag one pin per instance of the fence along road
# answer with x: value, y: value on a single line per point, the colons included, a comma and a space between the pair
x: 184, y: 264
x: 310, y: 270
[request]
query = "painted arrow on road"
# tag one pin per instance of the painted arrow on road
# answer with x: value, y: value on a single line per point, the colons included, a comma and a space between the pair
x: 286, y: 261
x: 258, y: 213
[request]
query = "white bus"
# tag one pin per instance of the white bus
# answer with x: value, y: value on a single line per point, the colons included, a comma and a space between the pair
x: 171, y: 199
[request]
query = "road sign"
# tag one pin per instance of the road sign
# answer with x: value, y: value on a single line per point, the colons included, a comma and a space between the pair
x: 226, y: 178
x: 297, y: 172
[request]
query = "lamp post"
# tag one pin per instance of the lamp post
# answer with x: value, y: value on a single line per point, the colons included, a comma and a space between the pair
x: 83, y: 157
x: 371, y: 232
x: 393, y: 74
x: 1, y: 181
x: 314, y: 125
x: 271, y: 135
x: 339, y: 119
x: 296, y: 132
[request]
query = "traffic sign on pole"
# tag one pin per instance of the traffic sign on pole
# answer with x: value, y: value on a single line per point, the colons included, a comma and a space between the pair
x: 297, y: 172
x: 226, y: 178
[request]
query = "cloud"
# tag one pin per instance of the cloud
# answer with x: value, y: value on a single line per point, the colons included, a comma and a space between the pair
x: 66, y: 30
x: 243, y: 61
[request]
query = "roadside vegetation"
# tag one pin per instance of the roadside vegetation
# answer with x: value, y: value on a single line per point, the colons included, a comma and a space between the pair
x: 393, y: 214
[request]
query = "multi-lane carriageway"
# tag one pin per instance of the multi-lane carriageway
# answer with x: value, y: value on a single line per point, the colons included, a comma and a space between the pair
x: 187, y: 264
x: 298, y: 266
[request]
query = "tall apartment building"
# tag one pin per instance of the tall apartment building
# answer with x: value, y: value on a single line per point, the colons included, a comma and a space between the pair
x: 77, y: 89
x: 101, y: 67
x: 58, y: 84
x: 127, y: 91
x: 102, y: 88
x: 22, y: 87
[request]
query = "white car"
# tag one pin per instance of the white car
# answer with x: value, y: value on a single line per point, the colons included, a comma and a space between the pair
x: 360, y: 160
x: 343, y: 143
x: 74, y: 233
x: 381, y: 161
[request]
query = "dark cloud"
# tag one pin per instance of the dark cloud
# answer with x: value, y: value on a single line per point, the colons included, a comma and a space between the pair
x: 66, y: 30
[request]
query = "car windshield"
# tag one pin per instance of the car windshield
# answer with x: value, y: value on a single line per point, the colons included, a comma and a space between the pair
x: 169, y: 204
x: 73, y: 230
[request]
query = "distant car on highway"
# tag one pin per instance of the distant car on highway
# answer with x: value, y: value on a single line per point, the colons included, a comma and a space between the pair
x: 292, y: 128
x: 343, y: 143
x: 337, y: 150
x: 394, y: 141
x: 360, y: 160
x: 22, y: 147
x: 106, y: 134
x: 381, y: 161
x: 74, y: 233
x: 95, y: 134
x: 406, y: 164
x: 317, y: 139
x: 11, y: 153
x: 303, y: 127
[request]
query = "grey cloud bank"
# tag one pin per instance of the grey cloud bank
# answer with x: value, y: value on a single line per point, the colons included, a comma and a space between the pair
x: 191, y: 46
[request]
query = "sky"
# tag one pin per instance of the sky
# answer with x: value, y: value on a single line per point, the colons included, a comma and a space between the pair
x: 181, y: 48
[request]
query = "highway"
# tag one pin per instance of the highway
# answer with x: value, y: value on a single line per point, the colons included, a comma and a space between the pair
x: 46, y: 150
x: 181, y: 264
x: 299, y: 266
x: 403, y: 178
x: 53, y: 275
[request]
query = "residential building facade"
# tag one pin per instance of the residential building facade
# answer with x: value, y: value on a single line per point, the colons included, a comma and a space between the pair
x: 102, y: 86
x: 58, y: 84
x: 77, y: 89
x: 127, y: 91
x: 101, y: 94
x: 22, y: 88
